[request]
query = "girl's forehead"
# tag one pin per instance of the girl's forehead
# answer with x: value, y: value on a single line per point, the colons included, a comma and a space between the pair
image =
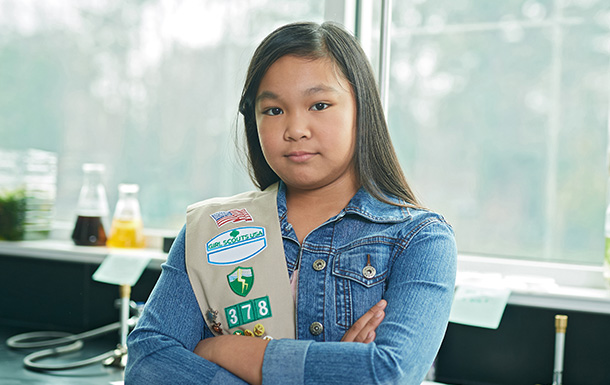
x: 292, y: 69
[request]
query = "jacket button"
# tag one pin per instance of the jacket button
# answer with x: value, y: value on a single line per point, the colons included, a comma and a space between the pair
x: 316, y: 328
x: 369, y: 272
x: 319, y: 264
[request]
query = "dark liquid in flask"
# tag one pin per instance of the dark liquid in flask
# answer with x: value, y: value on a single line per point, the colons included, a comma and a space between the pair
x: 89, y: 231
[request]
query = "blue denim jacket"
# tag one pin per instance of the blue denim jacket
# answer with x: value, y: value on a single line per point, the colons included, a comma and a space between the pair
x: 413, y: 254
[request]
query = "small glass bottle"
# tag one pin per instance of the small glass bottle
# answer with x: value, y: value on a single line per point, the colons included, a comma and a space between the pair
x: 92, y: 209
x: 126, y: 229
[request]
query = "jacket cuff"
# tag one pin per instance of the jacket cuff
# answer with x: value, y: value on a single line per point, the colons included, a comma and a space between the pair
x: 284, y: 361
x: 223, y: 377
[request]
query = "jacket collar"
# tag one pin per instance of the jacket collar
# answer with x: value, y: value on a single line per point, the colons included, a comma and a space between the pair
x: 367, y: 206
x: 362, y: 204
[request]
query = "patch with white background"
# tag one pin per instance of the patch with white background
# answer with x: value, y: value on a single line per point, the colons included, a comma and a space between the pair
x: 236, y: 245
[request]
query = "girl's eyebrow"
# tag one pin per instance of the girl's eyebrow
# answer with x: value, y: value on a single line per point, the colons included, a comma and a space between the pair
x: 266, y: 95
x: 310, y: 91
x: 318, y: 89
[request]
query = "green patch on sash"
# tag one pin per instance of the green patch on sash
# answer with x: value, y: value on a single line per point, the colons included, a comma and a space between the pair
x: 241, y: 280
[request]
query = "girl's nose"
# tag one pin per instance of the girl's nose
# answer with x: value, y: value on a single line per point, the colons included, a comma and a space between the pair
x: 297, y: 128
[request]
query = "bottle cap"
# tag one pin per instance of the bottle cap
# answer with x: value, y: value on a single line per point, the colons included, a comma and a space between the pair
x: 561, y: 323
x: 93, y: 167
x: 129, y: 188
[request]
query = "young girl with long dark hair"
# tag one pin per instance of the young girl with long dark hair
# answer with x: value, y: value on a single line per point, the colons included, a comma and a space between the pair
x: 331, y: 274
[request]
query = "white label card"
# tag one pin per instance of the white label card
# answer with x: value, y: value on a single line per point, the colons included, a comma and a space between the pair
x: 121, y: 269
x: 479, y: 306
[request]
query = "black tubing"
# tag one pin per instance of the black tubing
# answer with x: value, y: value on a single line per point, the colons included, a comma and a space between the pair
x: 51, y: 338
x: 56, y: 338
x: 29, y: 360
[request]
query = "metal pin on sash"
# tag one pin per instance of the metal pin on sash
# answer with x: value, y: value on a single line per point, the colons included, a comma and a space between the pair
x: 212, y: 316
x: 369, y: 271
x: 259, y: 330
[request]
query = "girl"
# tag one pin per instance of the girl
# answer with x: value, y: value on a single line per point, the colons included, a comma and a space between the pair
x: 371, y: 272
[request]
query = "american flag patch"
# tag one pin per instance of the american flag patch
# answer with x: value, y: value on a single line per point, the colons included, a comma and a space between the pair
x: 231, y: 216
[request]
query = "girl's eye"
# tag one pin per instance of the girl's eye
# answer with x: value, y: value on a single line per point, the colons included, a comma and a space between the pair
x: 320, y: 106
x: 273, y: 111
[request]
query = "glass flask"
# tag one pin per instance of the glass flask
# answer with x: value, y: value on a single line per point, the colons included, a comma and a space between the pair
x: 92, y: 209
x: 126, y: 229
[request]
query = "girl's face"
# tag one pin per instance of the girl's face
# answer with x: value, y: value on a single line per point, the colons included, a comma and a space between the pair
x: 306, y: 120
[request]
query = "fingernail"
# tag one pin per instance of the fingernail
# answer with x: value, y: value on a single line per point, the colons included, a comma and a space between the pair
x: 378, y: 314
x: 381, y: 303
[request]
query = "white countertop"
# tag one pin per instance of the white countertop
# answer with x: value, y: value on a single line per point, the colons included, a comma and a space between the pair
x: 536, y: 284
x: 66, y: 251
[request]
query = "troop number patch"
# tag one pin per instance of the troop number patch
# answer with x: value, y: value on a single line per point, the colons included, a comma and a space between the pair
x: 248, y: 311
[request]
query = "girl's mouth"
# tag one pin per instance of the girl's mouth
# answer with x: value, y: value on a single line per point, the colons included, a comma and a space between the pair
x: 300, y: 156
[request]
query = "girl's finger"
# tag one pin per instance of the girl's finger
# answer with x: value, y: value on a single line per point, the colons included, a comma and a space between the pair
x: 361, y: 329
x: 367, y: 334
x: 357, y: 327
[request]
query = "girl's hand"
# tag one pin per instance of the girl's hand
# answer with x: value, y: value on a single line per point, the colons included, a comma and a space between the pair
x: 205, y: 348
x: 240, y: 355
x: 363, y: 330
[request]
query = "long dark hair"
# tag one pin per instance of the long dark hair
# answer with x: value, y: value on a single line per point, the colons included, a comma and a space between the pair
x: 375, y: 160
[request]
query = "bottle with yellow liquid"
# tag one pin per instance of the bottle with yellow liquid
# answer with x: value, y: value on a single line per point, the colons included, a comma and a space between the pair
x: 126, y: 229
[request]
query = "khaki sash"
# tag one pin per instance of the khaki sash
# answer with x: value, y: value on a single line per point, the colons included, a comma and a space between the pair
x: 235, y: 262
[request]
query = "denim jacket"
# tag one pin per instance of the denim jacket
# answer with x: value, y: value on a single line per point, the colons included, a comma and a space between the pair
x: 410, y: 261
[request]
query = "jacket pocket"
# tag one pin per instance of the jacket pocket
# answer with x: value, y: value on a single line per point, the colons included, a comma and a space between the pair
x: 359, y: 273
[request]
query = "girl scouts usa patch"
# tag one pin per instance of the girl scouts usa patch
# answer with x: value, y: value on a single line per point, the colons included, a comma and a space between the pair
x: 236, y: 245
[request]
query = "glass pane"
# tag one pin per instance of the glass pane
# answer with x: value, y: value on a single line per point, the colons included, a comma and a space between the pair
x: 149, y: 88
x: 502, y: 126
x: 434, y: 14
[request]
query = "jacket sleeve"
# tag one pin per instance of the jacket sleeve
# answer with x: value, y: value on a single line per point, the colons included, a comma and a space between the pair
x: 419, y: 293
x: 160, y: 348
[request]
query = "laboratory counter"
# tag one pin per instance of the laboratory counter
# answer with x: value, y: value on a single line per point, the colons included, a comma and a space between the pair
x: 48, y: 285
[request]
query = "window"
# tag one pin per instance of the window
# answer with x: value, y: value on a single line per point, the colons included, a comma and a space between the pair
x: 150, y: 89
x: 499, y: 112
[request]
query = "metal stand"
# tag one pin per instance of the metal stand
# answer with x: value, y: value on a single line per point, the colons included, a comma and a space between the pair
x: 119, y: 358
x: 561, y: 323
